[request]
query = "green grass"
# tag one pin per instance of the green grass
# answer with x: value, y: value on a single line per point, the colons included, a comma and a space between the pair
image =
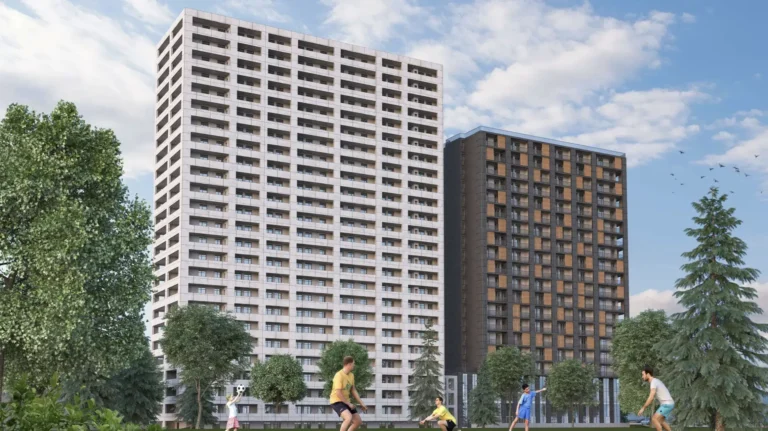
x: 520, y: 427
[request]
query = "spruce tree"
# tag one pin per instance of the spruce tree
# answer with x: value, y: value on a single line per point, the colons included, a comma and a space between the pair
x: 717, y: 355
x: 483, y: 409
x: 427, y: 379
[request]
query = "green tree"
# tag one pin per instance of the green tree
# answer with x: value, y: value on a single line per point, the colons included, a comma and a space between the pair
x: 717, y: 355
x: 508, y: 368
x: 633, y: 342
x: 208, y: 346
x: 570, y: 385
x: 427, y: 377
x: 482, y: 401
x: 332, y: 359
x: 192, y: 408
x: 278, y: 380
x: 136, y: 392
x: 75, y: 270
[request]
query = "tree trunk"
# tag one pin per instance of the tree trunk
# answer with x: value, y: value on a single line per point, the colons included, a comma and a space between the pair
x: 719, y: 424
x: 2, y: 373
x: 509, y: 412
x: 199, y: 406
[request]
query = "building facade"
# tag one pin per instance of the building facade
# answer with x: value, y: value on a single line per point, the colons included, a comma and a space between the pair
x: 536, y: 256
x: 298, y: 185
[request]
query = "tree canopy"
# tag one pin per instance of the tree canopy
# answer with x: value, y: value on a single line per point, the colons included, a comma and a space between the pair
x: 509, y: 368
x: 75, y: 271
x: 717, y: 353
x: 278, y: 380
x: 210, y: 347
x: 633, y: 348
x: 332, y: 359
x: 427, y: 376
x: 483, y: 409
x: 570, y: 385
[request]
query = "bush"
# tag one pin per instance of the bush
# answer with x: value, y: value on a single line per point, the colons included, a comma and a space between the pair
x: 28, y: 410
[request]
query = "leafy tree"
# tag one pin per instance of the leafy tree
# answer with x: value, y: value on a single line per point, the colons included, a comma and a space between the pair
x: 570, y: 385
x: 208, y: 346
x: 332, y: 359
x: 135, y: 392
x: 75, y: 271
x: 192, y: 408
x: 717, y: 354
x: 482, y: 401
x: 278, y: 380
x: 427, y: 378
x: 633, y: 342
x: 31, y: 410
x: 508, y: 368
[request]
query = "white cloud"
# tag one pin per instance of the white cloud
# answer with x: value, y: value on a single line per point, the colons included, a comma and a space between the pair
x: 62, y: 51
x: 724, y: 136
x: 539, y: 69
x: 264, y: 9
x: 643, y: 124
x: 149, y: 11
x: 652, y: 299
x: 747, y: 137
x: 369, y: 22
x: 688, y: 18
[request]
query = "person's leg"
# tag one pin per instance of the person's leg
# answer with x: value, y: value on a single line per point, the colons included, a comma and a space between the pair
x: 665, y: 424
x: 526, y: 424
x: 346, y: 417
x: 356, y: 422
x: 514, y: 422
x: 655, y: 421
x: 443, y: 425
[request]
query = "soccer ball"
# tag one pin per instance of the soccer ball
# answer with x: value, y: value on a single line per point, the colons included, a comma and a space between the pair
x: 240, y: 389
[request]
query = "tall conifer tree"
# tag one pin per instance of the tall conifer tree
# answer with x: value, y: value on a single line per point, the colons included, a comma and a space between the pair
x: 717, y: 356
x: 427, y: 379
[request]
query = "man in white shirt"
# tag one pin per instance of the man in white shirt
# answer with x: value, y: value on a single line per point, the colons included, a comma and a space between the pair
x: 661, y: 393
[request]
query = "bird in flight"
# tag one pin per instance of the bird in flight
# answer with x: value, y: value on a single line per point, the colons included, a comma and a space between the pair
x: 681, y: 151
x: 721, y: 165
x: 711, y: 169
x: 703, y: 176
x: 732, y: 192
x: 746, y: 175
x: 717, y: 181
x: 672, y: 174
x: 757, y: 155
x: 682, y: 184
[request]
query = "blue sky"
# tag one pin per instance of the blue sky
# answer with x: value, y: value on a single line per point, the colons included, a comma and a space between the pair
x: 649, y: 78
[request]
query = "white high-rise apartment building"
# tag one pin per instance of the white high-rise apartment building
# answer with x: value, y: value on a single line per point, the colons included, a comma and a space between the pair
x: 298, y: 185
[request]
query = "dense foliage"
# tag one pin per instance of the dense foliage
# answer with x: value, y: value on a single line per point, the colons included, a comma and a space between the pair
x: 427, y: 376
x: 75, y: 271
x: 483, y: 409
x: 331, y: 362
x: 509, y: 368
x: 208, y: 346
x: 570, y: 385
x: 717, y: 354
x: 29, y: 410
x: 278, y: 380
x: 633, y: 348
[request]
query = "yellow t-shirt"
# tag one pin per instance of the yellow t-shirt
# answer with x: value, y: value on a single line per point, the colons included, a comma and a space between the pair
x: 345, y: 382
x: 443, y: 414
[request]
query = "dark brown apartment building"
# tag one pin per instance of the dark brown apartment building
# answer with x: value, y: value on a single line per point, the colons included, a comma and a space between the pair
x: 536, y: 257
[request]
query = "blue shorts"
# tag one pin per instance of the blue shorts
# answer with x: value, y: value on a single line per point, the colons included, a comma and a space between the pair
x: 665, y: 410
x: 524, y: 414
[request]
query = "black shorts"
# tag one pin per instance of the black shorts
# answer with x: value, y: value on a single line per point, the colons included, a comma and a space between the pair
x: 340, y: 407
x: 450, y: 425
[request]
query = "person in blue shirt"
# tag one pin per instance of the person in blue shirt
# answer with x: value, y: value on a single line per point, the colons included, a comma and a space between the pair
x: 524, y: 406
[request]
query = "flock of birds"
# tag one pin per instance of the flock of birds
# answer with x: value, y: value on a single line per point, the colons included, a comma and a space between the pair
x: 736, y: 170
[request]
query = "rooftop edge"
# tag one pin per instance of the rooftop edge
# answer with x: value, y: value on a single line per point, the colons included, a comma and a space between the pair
x: 533, y: 138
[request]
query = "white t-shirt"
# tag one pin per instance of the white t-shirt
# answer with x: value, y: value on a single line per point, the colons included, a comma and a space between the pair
x: 662, y: 393
x: 232, y: 410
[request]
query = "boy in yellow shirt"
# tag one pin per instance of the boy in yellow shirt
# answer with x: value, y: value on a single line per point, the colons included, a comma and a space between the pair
x: 343, y: 387
x: 444, y: 418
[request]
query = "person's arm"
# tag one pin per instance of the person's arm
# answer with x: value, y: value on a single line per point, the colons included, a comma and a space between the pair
x: 517, y: 410
x: 648, y: 401
x: 357, y: 398
x: 237, y: 398
x: 428, y: 418
x: 541, y: 390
